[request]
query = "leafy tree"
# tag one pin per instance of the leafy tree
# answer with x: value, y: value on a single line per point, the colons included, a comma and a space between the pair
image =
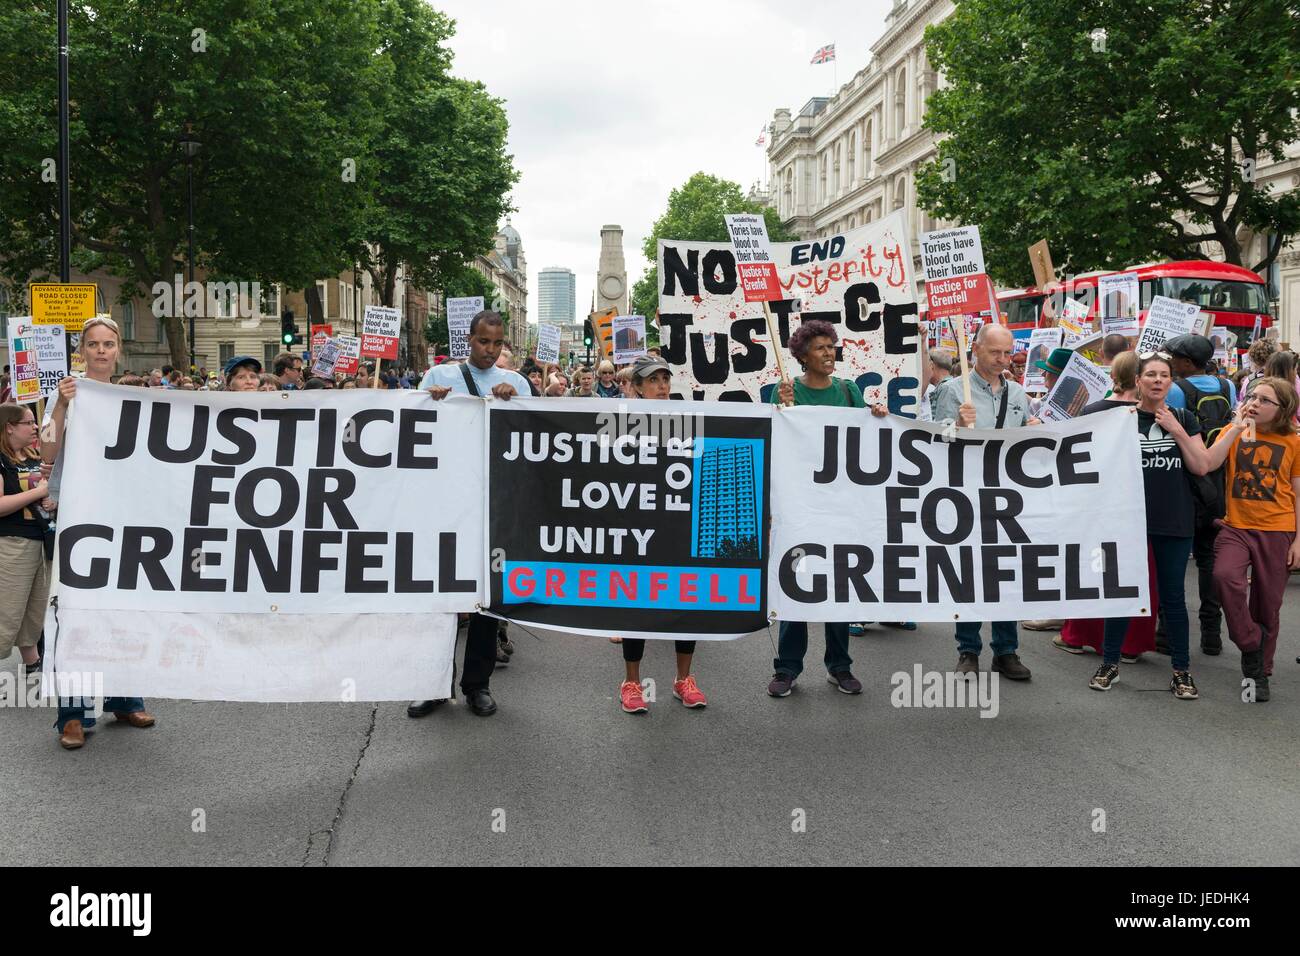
x: 439, y: 176
x: 281, y: 96
x: 1120, y: 132
x: 694, y: 214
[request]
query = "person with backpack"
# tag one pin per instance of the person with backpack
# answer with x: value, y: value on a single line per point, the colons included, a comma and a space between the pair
x: 1211, y: 399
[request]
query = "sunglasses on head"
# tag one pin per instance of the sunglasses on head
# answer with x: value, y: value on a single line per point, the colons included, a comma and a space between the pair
x: 1143, y: 356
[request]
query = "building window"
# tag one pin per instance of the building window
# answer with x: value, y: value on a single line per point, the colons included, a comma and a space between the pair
x: 128, y: 321
x: 323, y: 290
x: 867, y: 133
x: 853, y: 166
x: 269, y: 351
x: 226, y: 351
x: 269, y: 301
x: 835, y: 172
x: 225, y: 303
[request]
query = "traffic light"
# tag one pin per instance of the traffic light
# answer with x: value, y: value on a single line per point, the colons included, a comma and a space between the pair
x: 588, y: 333
x: 571, y: 356
x: 289, y: 334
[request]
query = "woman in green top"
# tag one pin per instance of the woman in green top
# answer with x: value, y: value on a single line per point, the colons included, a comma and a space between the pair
x: 813, y: 345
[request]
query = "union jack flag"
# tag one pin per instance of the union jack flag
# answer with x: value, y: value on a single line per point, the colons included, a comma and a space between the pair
x: 825, y: 54
x: 762, y: 138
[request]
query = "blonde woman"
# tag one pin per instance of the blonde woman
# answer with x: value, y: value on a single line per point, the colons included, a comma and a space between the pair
x: 101, y: 345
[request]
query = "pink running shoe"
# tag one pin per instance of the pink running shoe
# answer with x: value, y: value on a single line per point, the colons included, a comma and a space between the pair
x: 688, y: 692
x: 633, y: 701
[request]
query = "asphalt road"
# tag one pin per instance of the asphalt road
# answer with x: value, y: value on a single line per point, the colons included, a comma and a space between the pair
x: 559, y: 775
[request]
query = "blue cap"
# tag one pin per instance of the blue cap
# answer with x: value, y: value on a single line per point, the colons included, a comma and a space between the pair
x: 239, y: 360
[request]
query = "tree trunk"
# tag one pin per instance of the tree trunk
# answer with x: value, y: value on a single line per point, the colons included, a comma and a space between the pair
x: 178, y: 344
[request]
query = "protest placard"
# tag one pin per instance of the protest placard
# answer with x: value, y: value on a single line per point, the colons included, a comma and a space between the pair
x: 460, y: 312
x: 379, y: 332
x: 25, y: 365
x: 317, y: 337
x: 325, y: 359
x: 1119, y: 302
x: 44, y: 358
x: 548, y: 343
x: 349, y: 354
x: 1079, y: 385
x: 755, y: 267
x: 877, y: 520
x: 955, y: 281
x: 644, y: 516
x: 629, y: 338
x: 861, y: 282
x: 1074, y: 321
x: 1041, y: 343
x: 1166, y: 318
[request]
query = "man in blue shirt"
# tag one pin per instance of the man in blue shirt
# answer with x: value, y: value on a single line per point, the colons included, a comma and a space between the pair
x: 1191, y: 354
x: 487, y: 337
x: 478, y: 376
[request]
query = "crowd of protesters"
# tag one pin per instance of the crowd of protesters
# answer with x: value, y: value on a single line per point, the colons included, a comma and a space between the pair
x: 1219, y: 463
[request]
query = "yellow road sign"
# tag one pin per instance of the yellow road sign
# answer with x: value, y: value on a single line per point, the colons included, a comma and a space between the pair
x: 66, y: 304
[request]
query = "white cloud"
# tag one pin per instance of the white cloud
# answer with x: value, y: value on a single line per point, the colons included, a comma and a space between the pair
x: 612, y: 104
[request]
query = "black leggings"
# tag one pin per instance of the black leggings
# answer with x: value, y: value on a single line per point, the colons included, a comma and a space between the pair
x: 634, y: 648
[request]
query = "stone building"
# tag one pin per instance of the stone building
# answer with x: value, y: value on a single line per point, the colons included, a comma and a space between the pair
x: 850, y: 158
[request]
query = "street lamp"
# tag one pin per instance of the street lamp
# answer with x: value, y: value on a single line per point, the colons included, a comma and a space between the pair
x: 190, y: 145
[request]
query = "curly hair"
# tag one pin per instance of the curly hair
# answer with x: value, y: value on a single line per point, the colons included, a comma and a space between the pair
x: 802, y: 337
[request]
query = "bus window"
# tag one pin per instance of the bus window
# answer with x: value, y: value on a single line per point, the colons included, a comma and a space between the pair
x: 1220, y: 296
x: 1023, y: 310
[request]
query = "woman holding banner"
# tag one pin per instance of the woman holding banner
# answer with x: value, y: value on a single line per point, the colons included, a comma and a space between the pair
x: 652, y: 378
x: 100, y: 346
x: 1170, y: 451
x: 1078, y: 634
x: 813, y: 346
x: 24, y: 562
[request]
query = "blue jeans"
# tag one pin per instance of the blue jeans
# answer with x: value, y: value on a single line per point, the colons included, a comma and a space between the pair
x: 1170, y: 556
x: 79, y: 708
x: 793, y: 645
x: 1006, y: 637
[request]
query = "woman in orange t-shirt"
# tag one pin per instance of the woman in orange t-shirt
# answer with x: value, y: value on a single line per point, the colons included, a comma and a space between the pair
x: 1261, y: 531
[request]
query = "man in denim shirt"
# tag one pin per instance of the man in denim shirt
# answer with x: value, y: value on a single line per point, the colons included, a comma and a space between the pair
x: 996, y: 402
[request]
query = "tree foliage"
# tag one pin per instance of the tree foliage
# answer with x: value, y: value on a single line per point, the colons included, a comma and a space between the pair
x: 1120, y: 132
x: 328, y: 128
x: 694, y: 214
x: 438, y: 172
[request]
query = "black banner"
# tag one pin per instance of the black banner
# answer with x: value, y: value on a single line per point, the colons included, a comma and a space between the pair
x: 606, y: 518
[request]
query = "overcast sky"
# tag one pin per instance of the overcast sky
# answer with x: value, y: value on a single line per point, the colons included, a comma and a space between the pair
x: 612, y: 104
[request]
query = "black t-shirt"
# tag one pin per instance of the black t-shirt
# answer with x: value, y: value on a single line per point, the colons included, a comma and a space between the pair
x: 1171, y: 509
x: 25, y: 522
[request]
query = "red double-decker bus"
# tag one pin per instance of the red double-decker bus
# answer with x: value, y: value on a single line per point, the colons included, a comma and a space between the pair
x: 1236, y: 297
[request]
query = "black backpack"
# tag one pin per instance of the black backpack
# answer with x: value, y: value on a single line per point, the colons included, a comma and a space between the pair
x: 1214, y: 411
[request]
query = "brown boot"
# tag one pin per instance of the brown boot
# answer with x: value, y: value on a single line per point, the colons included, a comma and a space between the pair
x: 73, y: 736
x: 141, y: 718
x: 1009, y: 666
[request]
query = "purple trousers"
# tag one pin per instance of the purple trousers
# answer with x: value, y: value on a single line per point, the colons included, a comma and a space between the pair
x: 1252, y: 608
